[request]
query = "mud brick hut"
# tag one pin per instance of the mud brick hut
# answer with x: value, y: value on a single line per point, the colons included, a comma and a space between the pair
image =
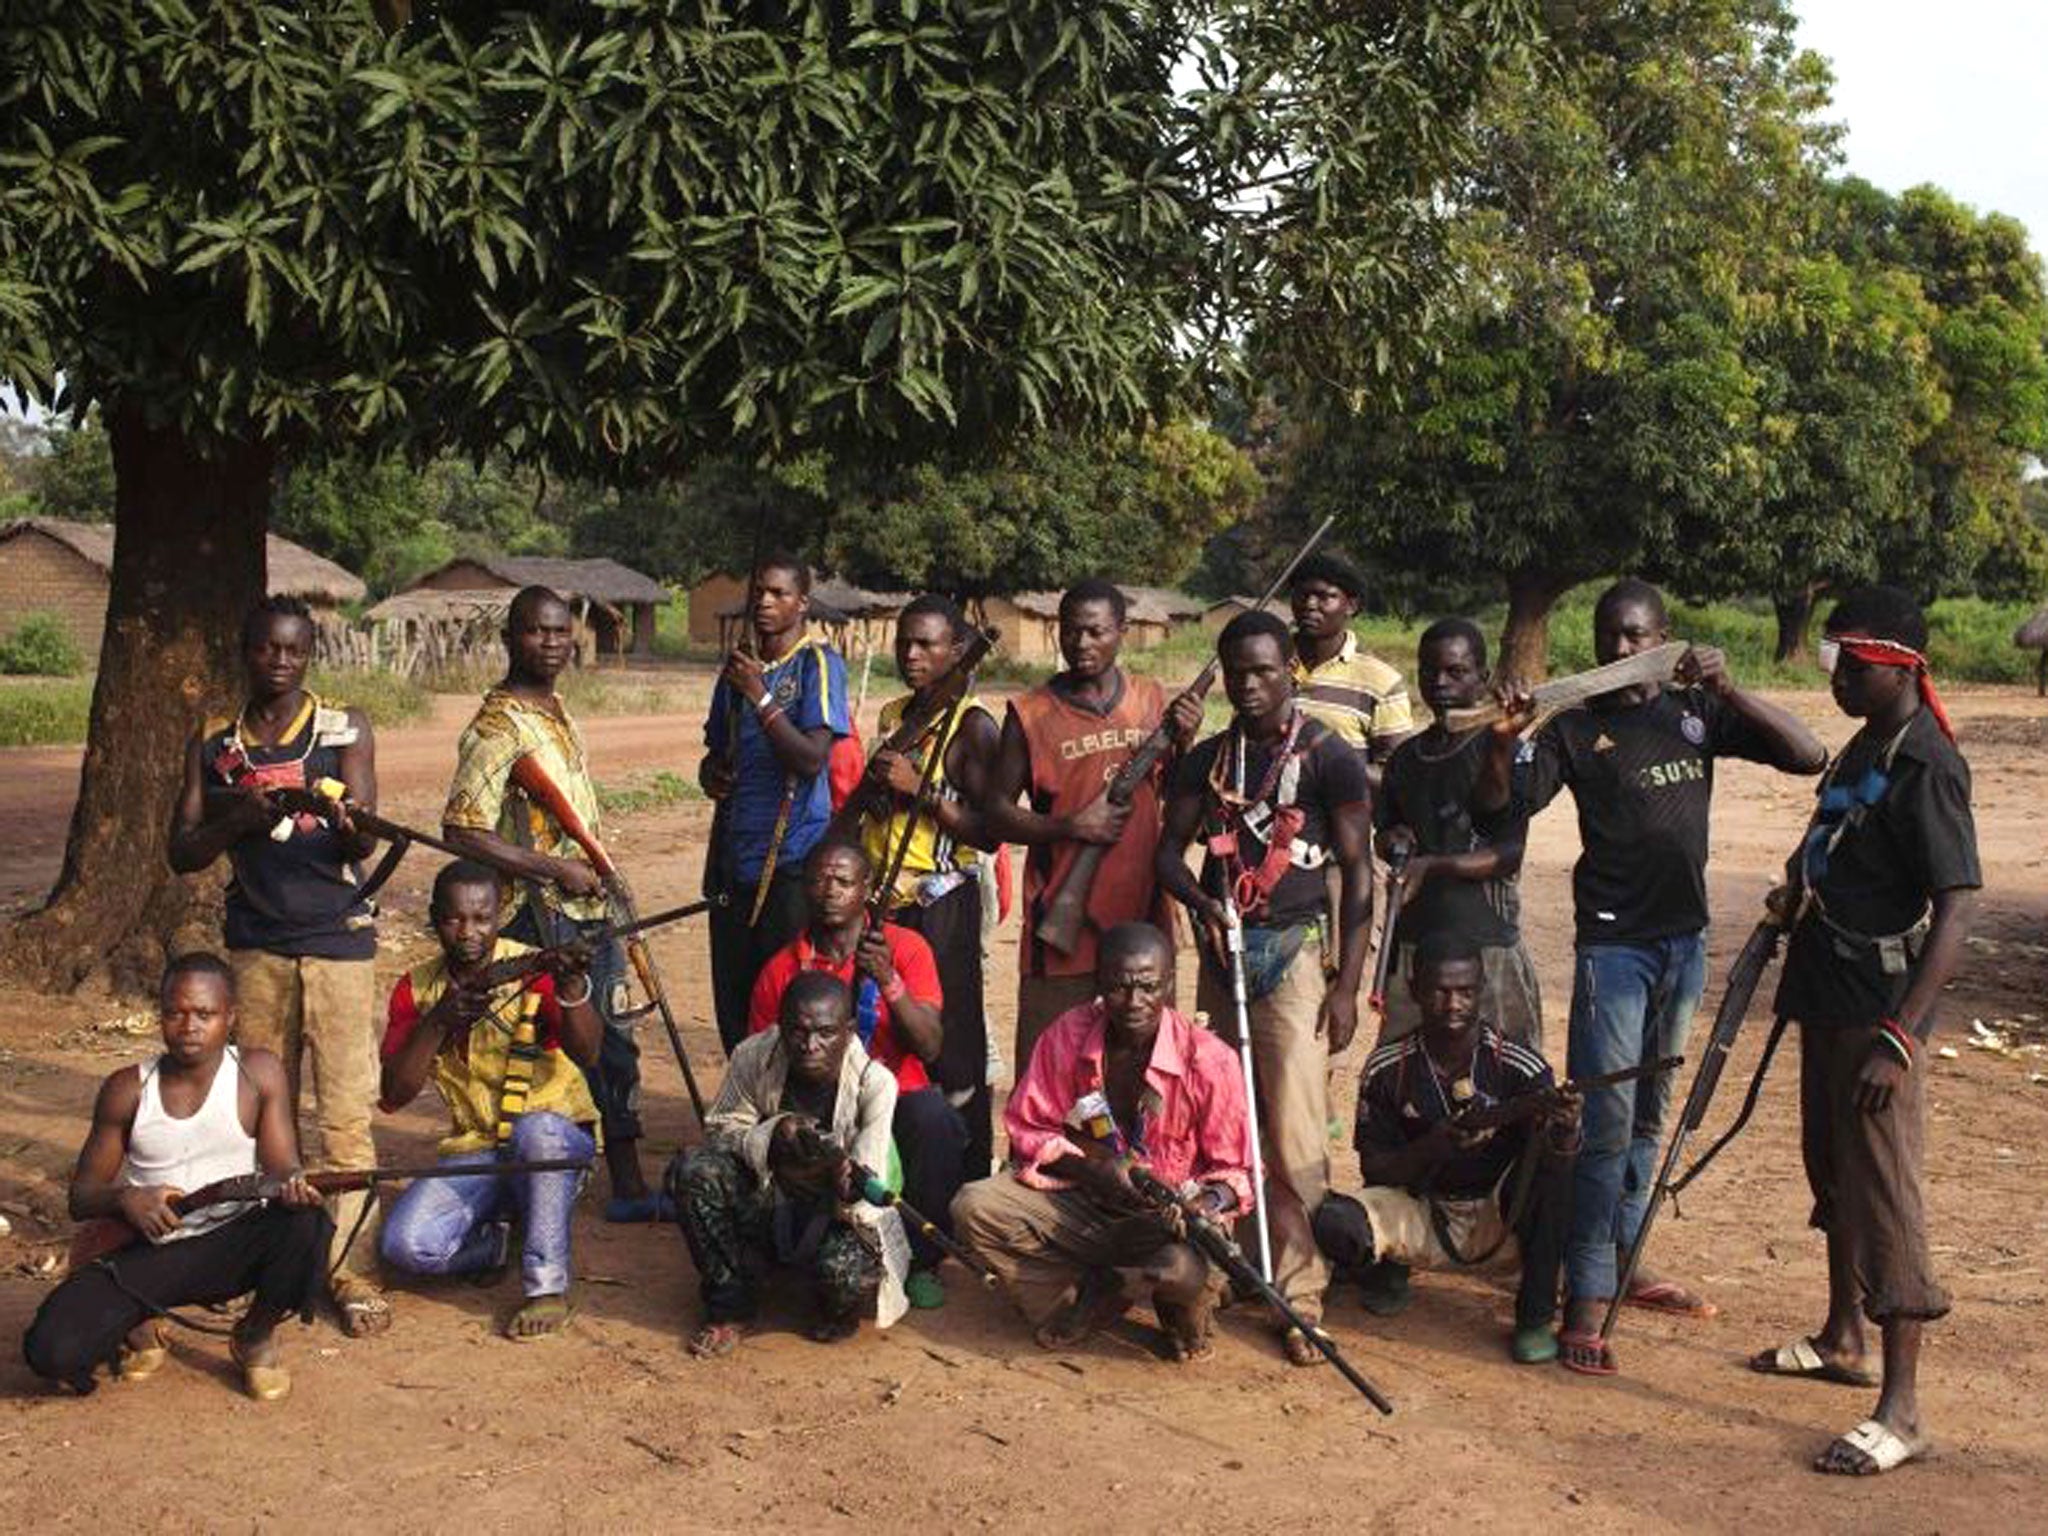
x: 1030, y: 622
x: 49, y: 565
x: 614, y: 604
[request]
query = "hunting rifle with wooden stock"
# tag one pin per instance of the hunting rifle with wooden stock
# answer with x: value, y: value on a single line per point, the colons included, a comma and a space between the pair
x: 1468, y: 1117
x: 1064, y: 909
x: 532, y: 780
x: 920, y: 716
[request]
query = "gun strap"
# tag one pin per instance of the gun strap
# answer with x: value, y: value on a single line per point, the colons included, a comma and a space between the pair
x: 1749, y: 1102
x: 521, y: 1057
x: 112, y: 1271
x: 774, y: 854
x: 387, y: 866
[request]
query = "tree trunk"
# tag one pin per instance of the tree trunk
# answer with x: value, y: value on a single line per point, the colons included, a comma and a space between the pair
x: 188, y: 565
x: 1795, y: 619
x: 1525, y: 643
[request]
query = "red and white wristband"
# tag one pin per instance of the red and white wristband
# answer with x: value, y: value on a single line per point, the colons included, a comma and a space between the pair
x: 1902, y: 1043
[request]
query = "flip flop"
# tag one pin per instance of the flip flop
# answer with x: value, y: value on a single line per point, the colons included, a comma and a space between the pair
x: 1802, y: 1358
x: 1880, y: 1447
x: 1673, y: 1299
x: 1295, y: 1345
x: 1586, y: 1353
x: 139, y: 1364
x: 364, y: 1309
x: 714, y: 1341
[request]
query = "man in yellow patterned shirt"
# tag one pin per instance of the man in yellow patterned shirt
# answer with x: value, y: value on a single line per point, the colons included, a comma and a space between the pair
x: 558, y: 896
x: 504, y: 1060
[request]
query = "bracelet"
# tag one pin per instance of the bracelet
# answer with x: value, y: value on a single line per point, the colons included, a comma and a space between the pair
x: 1902, y: 1044
x: 575, y: 1002
x: 768, y: 716
x: 767, y: 704
x: 893, y: 993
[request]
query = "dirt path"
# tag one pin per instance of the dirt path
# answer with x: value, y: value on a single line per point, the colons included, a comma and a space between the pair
x: 953, y: 1420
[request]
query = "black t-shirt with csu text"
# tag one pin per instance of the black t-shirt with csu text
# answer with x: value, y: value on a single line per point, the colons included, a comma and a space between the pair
x: 1332, y: 776
x: 1642, y: 777
x: 1427, y: 787
x: 1915, y: 841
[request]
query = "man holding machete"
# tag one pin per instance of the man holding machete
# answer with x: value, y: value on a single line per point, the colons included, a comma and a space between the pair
x: 1639, y: 761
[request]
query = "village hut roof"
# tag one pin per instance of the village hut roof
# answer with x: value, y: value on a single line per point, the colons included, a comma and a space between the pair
x: 1139, y: 606
x: 433, y: 604
x: 1172, y: 602
x: 606, y: 581
x: 294, y: 571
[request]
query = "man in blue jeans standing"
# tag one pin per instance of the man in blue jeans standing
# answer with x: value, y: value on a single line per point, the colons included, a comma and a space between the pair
x: 1640, y: 766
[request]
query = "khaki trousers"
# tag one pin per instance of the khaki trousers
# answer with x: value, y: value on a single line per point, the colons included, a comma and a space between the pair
x: 1292, y: 1065
x: 1040, y: 1001
x: 1041, y: 1242
x: 295, y: 1005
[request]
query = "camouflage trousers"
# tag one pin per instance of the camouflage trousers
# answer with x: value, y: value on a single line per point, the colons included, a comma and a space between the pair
x: 737, y: 1228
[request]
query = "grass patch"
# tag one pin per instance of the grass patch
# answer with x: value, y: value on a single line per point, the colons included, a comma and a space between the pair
x: 44, y: 713
x: 386, y: 697
x: 665, y: 788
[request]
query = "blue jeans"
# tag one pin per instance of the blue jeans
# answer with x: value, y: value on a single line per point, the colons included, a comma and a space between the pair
x: 615, y: 1080
x: 443, y: 1226
x: 1631, y: 1003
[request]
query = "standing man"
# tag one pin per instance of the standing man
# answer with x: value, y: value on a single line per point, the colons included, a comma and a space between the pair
x: 1062, y: 743
x: 1640, y: 765
x: 1344, y: 686
x: 898, y: 1019
x: 1457, y: 880
x: 778, y: 706
x: 1276, y: 799
x: 933, y: 837
x: 303, y: 943
x: 1071, y: 1237
x: 556, y: 895
x: 1890, y: 875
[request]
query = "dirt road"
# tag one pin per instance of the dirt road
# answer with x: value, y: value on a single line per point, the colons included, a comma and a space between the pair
x: 953, y: 1420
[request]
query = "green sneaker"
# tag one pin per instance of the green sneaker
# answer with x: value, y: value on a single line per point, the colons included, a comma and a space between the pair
x: 925, y: 1290
x: 1534, y: 1346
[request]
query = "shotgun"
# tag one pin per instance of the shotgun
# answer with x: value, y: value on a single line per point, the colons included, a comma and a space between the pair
x: 1064, y: 909
x: 532, y: 781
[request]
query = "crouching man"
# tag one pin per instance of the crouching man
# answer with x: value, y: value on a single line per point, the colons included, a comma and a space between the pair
x: 201, y: 1112
x: 1120, y: 1079
x: 804, y: 1110
x: 1465, y: 1142
x: 509, y: 1062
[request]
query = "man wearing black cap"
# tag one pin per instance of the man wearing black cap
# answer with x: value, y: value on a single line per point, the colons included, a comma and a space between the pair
x: 1340, y: 684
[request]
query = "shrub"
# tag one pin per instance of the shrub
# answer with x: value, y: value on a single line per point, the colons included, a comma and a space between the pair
x: 40, y: 647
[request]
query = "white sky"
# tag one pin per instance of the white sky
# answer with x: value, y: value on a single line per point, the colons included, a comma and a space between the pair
x: 1943, y: 93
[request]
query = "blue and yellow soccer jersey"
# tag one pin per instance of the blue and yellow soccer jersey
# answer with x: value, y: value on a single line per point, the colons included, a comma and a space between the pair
x: 810, y: 685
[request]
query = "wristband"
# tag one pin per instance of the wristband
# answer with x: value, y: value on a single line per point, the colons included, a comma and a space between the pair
x: 1894, y: 1035
x: 893, y: 993
x: 767, y: 704
x: 575, y: 1002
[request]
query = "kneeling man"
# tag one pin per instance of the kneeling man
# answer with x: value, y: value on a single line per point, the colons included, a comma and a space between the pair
x: 1121, y: 1079
x: 1464, y: 1141
x: 803, y: 1113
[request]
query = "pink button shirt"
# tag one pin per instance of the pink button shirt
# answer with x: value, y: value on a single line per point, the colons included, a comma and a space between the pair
x: 1194, y: 1118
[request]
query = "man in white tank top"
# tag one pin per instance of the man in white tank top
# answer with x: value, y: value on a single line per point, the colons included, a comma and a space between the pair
x: 200, y: 1112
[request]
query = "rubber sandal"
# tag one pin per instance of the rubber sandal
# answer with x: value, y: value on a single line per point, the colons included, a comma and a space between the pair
x: 568, y: 1316
x: 1587, y: 1353
x: 265, y: 1383
x: 925, y: 1290
x: 143, y: 1363
x: 1294, y: 1344
x: 1672, y: 1299
x: 714, y: 1341
x: 1802, y: 1358
x: 1880, y: 1447
x: 364, y: 1309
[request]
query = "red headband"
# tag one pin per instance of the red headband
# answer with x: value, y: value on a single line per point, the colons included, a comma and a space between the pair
x: 1877, y: 652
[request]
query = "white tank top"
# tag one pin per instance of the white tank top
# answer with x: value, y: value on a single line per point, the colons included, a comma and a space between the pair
x: 187, y: 1154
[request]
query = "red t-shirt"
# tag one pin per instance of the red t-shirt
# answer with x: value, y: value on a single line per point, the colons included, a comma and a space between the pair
x: 915, y: 968
x: 404, y: 1014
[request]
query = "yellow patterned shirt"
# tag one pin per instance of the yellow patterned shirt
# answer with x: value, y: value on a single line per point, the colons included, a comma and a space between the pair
x: 1358, y: 696
x: 482, y: 797
x: 469, y: 1073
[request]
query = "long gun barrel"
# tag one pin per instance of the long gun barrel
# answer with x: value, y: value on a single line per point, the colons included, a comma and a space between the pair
x: 534, y: 782
x: 1536, y: 1106
x: 1065, y: 908
x: 251, y: 1188
x: 1222, y: 1251
x: 1383, y: 959
x: 817, y: 1151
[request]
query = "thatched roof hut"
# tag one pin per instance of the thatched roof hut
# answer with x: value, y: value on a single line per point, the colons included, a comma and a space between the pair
x: 614, y: 602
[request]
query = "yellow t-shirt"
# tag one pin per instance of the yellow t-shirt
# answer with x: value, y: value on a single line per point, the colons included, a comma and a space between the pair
x: 1356, y: 695
x: 469, y: 1073
x: 931, y: 851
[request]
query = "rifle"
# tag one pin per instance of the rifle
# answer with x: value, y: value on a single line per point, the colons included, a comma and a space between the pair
x: 324, y: 797
x: 1743, y: 977
x: 1221, y: 1249
x: 106, y: 1234
x: 817, y: 1150
x: 919, y: 716
x: 532, y: 781
x: 1536, y: 1106
x: 1383, y: 958
x: 1064, y: 909
x: 518, y: 967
